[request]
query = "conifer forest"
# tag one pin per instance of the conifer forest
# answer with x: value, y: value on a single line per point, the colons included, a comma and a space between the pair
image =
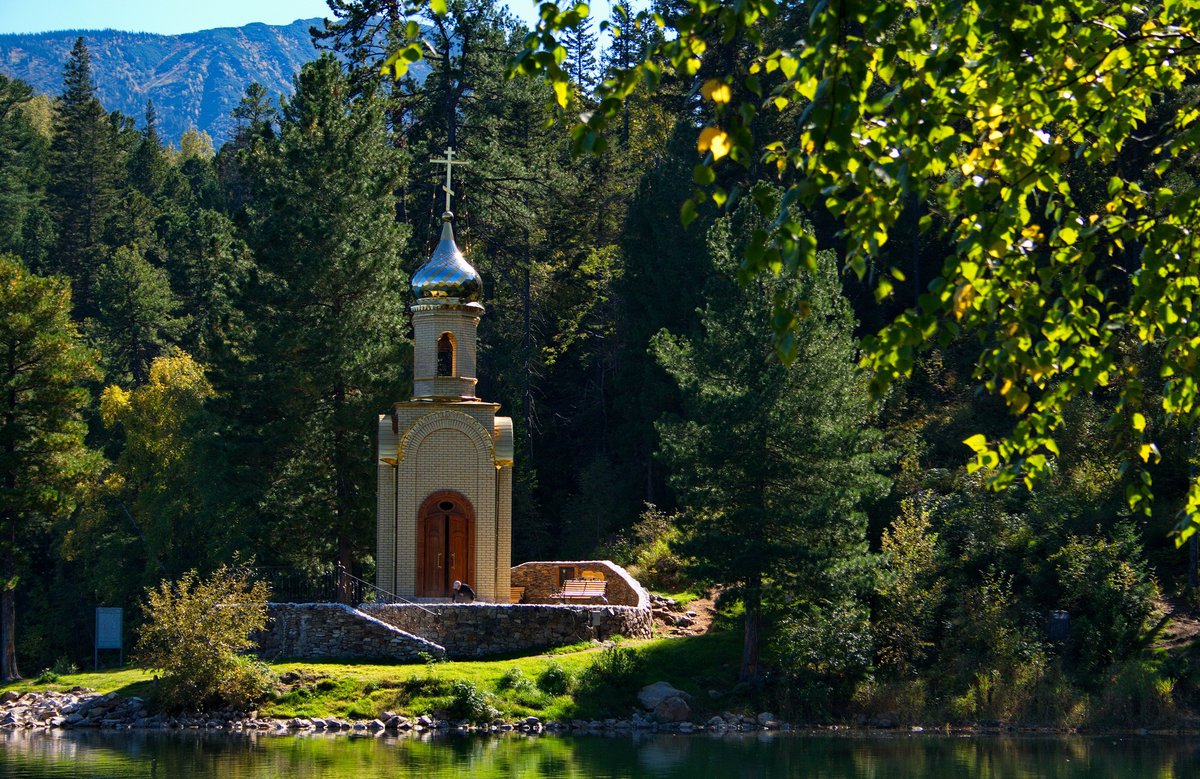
x: 196, y: 342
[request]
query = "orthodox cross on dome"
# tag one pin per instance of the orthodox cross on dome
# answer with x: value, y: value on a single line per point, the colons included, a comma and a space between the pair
x: 448, y: 162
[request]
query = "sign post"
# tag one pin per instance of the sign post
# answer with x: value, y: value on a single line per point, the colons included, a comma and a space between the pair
x: 108, y: 632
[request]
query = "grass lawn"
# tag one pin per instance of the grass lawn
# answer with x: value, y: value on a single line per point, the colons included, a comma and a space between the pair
x: 361, y: 690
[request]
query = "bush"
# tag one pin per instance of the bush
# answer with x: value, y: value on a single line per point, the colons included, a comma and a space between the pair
x: 46, y: 677
x: 910, y: 589
x: 555, y: 680
x: 1107, y: 587
x: 513, y: 679
x: 645, y: 549
x: 1139, y: 694
x: 469, y: 703
x: 194, y: 634
x: 616, y: 669
x: 823, y: 653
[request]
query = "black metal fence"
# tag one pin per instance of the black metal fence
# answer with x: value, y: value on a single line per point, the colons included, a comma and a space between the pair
x: 290, y: 585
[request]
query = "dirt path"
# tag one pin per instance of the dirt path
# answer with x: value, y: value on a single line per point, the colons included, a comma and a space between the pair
x: 1182, y: 625
x: 694, y: 619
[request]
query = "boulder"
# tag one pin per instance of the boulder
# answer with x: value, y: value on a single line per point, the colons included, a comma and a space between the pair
x: 673, y: 709
x: 653, y: 694
x: 9, y: 696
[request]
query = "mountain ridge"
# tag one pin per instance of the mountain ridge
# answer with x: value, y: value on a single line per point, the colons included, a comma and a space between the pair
x: 194, y: 79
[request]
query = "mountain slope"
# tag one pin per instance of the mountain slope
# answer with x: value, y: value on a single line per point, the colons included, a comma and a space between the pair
x: 194, y: 79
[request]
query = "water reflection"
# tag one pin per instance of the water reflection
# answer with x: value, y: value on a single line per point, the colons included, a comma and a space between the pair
x: 105, y: 755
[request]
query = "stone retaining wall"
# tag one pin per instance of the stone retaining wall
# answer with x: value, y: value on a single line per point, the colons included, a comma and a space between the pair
x: 473, y: 630
x: 403, y: 632
x: 329, y: 631
x: 541, y: 581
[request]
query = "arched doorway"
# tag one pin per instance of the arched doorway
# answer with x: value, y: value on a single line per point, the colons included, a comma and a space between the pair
x: 445, y: 544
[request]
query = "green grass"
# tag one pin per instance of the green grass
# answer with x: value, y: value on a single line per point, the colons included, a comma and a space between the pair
x: 124, y: 681
x: 682, y: 598
x: 364, y: 690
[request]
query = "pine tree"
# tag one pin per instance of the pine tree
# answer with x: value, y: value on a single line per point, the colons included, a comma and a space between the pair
x: 771, y: 463
x: 138, y: 313
x: 83, y: 167
x: 23, y: 212
x: 327, y: 349
x: 254, y: 113
x: 45, y: 466
x: 148, y: 164
x: 581, y: 65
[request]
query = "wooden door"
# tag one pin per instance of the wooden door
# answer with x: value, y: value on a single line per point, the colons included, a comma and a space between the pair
x: 445, y: 544
x: 432, y: 576
x: 459, y: 560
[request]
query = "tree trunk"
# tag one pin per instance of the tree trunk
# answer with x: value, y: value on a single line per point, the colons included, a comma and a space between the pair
x: 752, y: 636
x: 342, y: 511
x: 8, y: 565
x: 8, y: 632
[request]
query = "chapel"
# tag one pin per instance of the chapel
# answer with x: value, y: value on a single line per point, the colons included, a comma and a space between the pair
x: 444, y: 458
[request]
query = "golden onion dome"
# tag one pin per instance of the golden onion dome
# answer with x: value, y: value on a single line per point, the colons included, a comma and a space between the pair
x: 447, y: 275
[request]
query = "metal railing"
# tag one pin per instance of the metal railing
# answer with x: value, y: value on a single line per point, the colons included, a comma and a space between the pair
x: 365, y: 592
x: 291, y: 585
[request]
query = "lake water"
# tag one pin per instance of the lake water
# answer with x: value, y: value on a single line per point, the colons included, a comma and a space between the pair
x: 99, y: 755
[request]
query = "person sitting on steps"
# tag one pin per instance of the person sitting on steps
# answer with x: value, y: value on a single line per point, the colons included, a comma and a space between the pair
x: 464, y: 590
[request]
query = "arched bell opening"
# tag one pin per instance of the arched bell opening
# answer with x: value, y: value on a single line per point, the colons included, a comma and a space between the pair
x: 445, y: 544
x: 445, y: 355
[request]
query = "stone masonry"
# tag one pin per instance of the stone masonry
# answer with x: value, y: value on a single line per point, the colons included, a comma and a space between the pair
x: 541, y: 581
x: 331, y: 631
x: 405, y: 631
x: 475, y: 630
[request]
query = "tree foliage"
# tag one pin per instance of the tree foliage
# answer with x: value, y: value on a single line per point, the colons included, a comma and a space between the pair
x: 772, y: 462
x: 45, y: 465
x: 155, y: 481
x: 978, y: 115
x: 325, y: 353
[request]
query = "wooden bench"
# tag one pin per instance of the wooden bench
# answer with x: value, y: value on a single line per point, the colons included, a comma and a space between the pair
x: 582, y: 589
x: 516, y: 594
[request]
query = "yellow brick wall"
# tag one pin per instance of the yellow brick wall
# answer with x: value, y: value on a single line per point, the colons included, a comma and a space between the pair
x: 385, y: 526
x: 503, y: 531
x: 428, y: 326
x: 442, y: 449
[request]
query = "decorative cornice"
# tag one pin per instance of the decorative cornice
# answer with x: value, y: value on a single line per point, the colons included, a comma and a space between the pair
x: 443, y: 419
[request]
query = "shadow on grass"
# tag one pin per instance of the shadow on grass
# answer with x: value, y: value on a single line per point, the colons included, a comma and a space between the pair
x: 696, y: 665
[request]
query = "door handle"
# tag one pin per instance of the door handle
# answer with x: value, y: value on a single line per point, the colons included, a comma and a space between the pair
x: 439, y: 564
x: 451, y: 561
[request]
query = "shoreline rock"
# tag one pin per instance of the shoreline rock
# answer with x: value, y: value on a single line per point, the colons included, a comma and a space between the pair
x: 81, y: 709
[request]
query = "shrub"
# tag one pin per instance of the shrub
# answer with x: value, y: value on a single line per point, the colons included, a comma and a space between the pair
x: 1138, y: 694
x: 823, y: 653
x: 910, y: 589
x: 195, y: 632
x: 1108, y: 589
x: 555, y: 680
x: 468, y: 702
x: 513, y: 679
x: 46, y: 677
x: 645, y: 549
x: 617, y: 669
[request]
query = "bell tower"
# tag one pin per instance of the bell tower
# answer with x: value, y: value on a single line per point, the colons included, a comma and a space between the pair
x: 445, y: 319
x: 444, y: 458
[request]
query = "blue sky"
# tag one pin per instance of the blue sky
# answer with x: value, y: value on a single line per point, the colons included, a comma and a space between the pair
x: 176, y: 16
